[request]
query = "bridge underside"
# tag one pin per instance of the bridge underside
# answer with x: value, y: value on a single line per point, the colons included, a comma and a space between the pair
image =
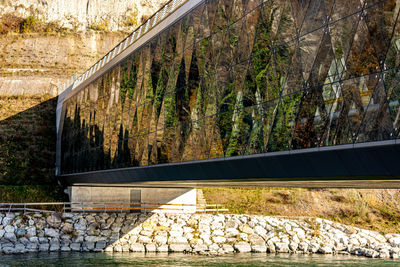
x: 368, y: 165
x: 299, y: 183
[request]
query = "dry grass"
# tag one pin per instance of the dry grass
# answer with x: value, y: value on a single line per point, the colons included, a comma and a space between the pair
x: 27, y: 140
x: 11, y: 23
x: 30, y: 194
x: 12, y: 105
x: 33, y: 194
x: 377, y: 210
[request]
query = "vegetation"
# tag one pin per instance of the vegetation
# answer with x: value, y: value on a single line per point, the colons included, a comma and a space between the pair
x: 27, y: 150
x: 128, y: 81
x: 132, y: 19
x: 102, y: 25
x: 367, y: 208
x: 29, y: 24
x: 30, y: 194
x: 10, y: 23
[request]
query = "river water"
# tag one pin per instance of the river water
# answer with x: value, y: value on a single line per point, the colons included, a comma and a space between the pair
x: 133, y: 259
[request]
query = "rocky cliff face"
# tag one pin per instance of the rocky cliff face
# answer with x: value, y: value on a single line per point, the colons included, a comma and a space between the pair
x: 113, y: 15
x: 34, y: 62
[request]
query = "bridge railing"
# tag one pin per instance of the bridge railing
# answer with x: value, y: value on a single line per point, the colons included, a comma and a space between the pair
x: 139, y: 207
x: 150, y: 23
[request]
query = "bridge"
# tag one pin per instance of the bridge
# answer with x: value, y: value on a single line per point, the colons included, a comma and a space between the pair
x: 240, y: 92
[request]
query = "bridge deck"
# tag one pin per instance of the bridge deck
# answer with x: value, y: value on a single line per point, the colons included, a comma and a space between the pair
x: 372, y: 161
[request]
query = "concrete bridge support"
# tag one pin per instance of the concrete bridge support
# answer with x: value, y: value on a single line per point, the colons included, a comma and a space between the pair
x: 184, y: 198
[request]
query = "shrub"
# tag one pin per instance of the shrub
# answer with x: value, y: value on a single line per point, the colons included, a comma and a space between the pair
x: 31, y: 193
x: 132, y: 19
x: 53, y: 27
x: 101, y: 26
x: 10, y: 23
x: 30, y: 24
x: 13, y: 23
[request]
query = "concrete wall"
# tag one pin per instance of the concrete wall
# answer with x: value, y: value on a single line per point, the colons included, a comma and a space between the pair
x: 147, y: 195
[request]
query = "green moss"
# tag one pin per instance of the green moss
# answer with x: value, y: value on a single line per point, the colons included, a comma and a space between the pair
x: 160, y: 91
x: 284, y: 122
x: 338, y: 52
x: 238, y: 128
x: 128, y: 81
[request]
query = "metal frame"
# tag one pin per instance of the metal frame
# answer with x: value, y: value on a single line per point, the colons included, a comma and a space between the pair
x: 374, y: 161
x: 142, y: 207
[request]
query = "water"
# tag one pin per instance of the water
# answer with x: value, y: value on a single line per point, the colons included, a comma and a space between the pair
x: 132, y: 259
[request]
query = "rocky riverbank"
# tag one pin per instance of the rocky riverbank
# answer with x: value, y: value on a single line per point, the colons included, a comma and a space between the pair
x: 190, y: 233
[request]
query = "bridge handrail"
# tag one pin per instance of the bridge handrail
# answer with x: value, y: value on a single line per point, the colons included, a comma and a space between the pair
x: 107, y: 206
x: 105, y: 203
x: 155, y: 19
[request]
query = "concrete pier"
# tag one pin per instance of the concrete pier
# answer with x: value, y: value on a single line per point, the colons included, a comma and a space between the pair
x: 131, y: 194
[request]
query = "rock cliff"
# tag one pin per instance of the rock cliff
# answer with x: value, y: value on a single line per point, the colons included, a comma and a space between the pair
x: 113, y: 15
x: 36, y: 63
x: 34, y: 59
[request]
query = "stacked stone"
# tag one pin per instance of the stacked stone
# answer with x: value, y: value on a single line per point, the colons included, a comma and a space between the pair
x: 190, y: 233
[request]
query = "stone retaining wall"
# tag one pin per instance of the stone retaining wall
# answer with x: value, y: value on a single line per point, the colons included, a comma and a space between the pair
x: 190, y: 233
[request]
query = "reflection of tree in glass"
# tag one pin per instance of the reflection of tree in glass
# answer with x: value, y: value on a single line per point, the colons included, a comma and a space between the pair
x: 284, y: 120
